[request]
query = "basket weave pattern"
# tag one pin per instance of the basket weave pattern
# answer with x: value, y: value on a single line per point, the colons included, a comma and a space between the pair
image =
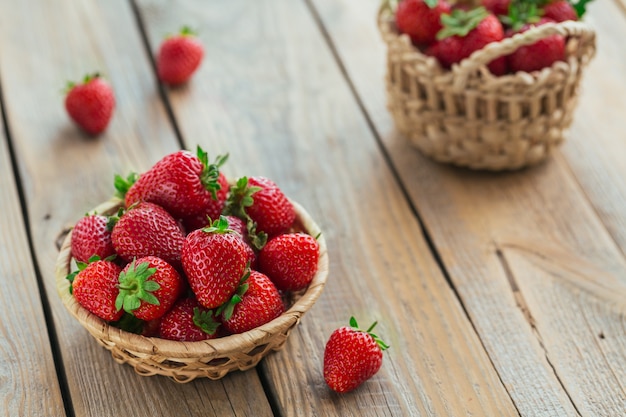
x: 185, y: 361
x: 468, y: 117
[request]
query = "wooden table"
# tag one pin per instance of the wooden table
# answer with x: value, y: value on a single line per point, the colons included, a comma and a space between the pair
x: 500, y: 294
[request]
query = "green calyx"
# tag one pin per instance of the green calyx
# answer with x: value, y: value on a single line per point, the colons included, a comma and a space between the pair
x: 219, y: 226
x: 383, y: 346
x: 211, y: 172
x: 239, y: 200
x: 122, y: 185
x: 135, y: 287
x: 129, y: 323
x: 226, y: 310
x: 461, y: 22
x: 205, y: 320
x: 88, y: 77
x: 522, y: 12
x: 187, y: 31
x: 580, y: 6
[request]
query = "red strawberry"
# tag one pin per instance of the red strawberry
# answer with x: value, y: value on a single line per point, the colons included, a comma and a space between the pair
x: 212, y: 210
x: 179, y: 56
x: 182, y: 183
x: 421, y: 19
x: 465, y: 32
x: 95, y: 288
x: 560, y: 11
x: 497, y: 7
x: 90, y: 104
x: 263, y: 204
x: 188, y: 321
x: 351, y: 357
x: 92, y: 236
x: 147, y: 229
x: 214, y: 260
x: 290, y: 260
x: 540, y: 54
x: 257, y: 302
x: 149, y: 286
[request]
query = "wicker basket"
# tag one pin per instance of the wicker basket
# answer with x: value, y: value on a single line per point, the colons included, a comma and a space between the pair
x: 468, y: 117
x: 184, y: 361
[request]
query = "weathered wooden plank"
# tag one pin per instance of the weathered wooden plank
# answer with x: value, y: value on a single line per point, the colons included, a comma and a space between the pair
x: 64, y: 173
x: 521, y: 312
x: 270, y: 92
x: 29, y: 384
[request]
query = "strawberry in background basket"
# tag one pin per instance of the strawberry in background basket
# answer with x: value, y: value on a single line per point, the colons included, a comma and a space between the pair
x: 421, y: 19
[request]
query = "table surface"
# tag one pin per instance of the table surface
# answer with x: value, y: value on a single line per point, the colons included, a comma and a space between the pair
x: 500, y: 294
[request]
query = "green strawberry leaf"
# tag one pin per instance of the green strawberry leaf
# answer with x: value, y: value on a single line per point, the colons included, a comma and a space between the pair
x: 431, y: 3
x: 580, y: 6
x: 135, y: 287
x: 241, y: 197
x: 122, y: 185
x: 211, y: 172
x: 383, y: 346
x: 130, y: 323
x: 205, y: 320
x: 461, y: 22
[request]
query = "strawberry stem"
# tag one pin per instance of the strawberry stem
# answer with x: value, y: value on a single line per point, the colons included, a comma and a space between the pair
x: 379, y: 342
x: 135, y: 287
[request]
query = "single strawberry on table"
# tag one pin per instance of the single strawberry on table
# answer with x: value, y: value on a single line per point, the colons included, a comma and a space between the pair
x: 421, y: 19
x: 148, y: 287
x: 290, y: 260
x: 214, y: 260
x: 95, y: 288
x: 90, y: 104
x: 91, y: 236
x: 188, y: 321
x: 352, y: 356
x: 179, y: 56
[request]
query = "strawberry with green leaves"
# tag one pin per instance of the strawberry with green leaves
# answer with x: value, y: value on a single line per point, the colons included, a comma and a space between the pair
x: 179, y: 56
x: 351, y: 357
x: 290, y: 260
x: 188, y: 321
x: 465, y: 32
x: 256, y: 302
x: 147, y: 229
x: 90, y: 104
x: 95, y: 288
x: 421, y: 19
x: 214, y: 260
x: 148, y: 287
x: 182, y: 183
x: 91, y: 236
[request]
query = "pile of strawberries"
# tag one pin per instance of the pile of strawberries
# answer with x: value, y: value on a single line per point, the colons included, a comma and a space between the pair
x: 452, y: 32
x: 190, y: 257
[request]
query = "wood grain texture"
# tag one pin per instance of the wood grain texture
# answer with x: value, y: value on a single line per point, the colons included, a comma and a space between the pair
x: 270, y: 92
x: 469, y: 215
x: 28, y: 381
x: 64, y: 174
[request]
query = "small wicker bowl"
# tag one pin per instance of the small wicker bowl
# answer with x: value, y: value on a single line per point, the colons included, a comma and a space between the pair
x: 466, y: 116
x: 185, y: 361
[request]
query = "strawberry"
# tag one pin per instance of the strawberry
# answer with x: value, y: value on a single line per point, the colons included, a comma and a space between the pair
x: 90, y: 104
x: 540, y: 54
x: 290, y: 260
x: 147, y: 229
x: 351, y: 357
x: 421, y: 19
x: 149, y: 286
x: 182, y: 183
x: 95, y: 288
x: 559, y: 11
x: 188, y: 321
x: 497, y: 7
x: 92, y: 236
x: 179, y: 56
x: 257, y: 302
x: 214, y: 260
x: 263, y: 205
x: 465, y: 32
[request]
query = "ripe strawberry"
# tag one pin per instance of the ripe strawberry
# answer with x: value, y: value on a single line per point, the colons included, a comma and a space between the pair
x: 95, y: 288
x: 188, y: 321
x: 465, y: 32
x: 290, y: 260
x: 351, y: 357
x: 182, y: 183
x: 149, y: 286
x: 92, y: 236
x: 90, y: 104
x: 497, y: 7
x: 560, y: 11
x: 257, y: 302
x: 179, y: 56
x: 214, y: 260
x: 421, y: 19
x: 146, y: 229
x: 262, y: 203
x: 540, y: 54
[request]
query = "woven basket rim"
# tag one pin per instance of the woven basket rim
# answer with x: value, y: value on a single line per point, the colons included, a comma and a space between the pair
x: 100, y: 329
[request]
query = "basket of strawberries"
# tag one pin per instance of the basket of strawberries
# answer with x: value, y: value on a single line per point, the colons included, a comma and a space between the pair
x: 488, y: 84
x: 186, y: 275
